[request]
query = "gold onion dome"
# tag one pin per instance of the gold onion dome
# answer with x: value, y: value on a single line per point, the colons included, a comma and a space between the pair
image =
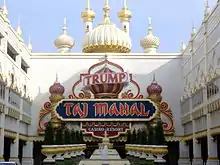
x: 106, y: 37
x: 88, y: 14
x: 64, y: 42
x: 125, y: 14
x: 150, y: 43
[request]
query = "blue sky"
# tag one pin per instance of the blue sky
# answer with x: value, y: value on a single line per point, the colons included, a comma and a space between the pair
x: 42, y: 20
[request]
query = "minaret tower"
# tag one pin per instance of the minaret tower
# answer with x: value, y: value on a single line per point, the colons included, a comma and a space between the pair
x: 125, y: 17
x: 88, y: 16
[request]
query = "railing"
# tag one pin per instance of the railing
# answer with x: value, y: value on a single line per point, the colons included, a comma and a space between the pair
x: 61, y: 152
x: 149, y: 152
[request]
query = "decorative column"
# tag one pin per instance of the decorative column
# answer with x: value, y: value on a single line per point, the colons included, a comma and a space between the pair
x: 14, y: 149
x: 2, y: 132
x: 212, y: 145
x: 28, y: 153
x: 56, y: 91
x: 197, y: 160
x: 184, y: 153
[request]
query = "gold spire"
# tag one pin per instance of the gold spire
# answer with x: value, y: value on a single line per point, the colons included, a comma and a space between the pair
x: 4, y: 12
x: 106, y: 10
x: 125, y: 14
x: 88, y: 14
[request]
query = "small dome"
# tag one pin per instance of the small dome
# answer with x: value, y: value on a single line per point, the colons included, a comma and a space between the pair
x: 57, y: 88
x: 150, y: 43
x: 106, y: 37
x: 154, y: 88
x: 64, y: 42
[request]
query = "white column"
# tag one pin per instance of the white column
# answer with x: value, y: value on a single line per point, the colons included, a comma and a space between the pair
x: 197, y: 160
x: 14, y: 149
x: 212, y: 145
x: 15, y: 146
x: 2, y: 134
x: 184, y: 154
x: 28, y: 153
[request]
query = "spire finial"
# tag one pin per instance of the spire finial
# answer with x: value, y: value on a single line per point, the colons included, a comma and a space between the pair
x: 19, y: 31
x: 4, y: 10
x: 64, y: 28
x: 149, y: 25
x: 154, y: 79
x: 125, y: 4
x: 207, y: 10
x: 88, y: 4
x: 29, y: 44
x: 193, y: 30
x: 106, y: 64
x: 183, y: 46
x: 57, y: 78
x: 106, y: 12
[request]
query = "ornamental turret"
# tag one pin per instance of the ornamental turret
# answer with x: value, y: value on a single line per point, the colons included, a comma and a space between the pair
x: 19, y: 31
x: 29, y: 46
x: 150, y: 43
x: 125, y: 16
x: 88, y: 16
x: 4, y: 12
x: 56, y: 91
x: 154, y: 91
x: 207, y: 10
x: 64, y: 43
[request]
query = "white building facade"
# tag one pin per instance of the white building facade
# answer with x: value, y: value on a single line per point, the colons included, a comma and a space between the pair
x: 193, y: 97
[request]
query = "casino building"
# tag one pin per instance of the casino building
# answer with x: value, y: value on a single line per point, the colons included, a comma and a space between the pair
x: 105, y: 87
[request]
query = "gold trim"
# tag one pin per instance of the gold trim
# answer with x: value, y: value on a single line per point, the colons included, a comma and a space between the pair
x: 106, y: 47
x: 213, y: 158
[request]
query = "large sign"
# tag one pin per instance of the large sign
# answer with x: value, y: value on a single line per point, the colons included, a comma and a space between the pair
x: 103, y: 110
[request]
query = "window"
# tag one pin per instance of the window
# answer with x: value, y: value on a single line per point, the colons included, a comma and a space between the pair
x: 212, y: 89
x: 2, y: 91
x: 11, y: 52
x: 14, y: 99
x: 12, y: 79
x: 24, y: 66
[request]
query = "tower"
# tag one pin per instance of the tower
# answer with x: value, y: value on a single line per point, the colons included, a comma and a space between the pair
x: 125, y: 16
x: 88, y: 16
